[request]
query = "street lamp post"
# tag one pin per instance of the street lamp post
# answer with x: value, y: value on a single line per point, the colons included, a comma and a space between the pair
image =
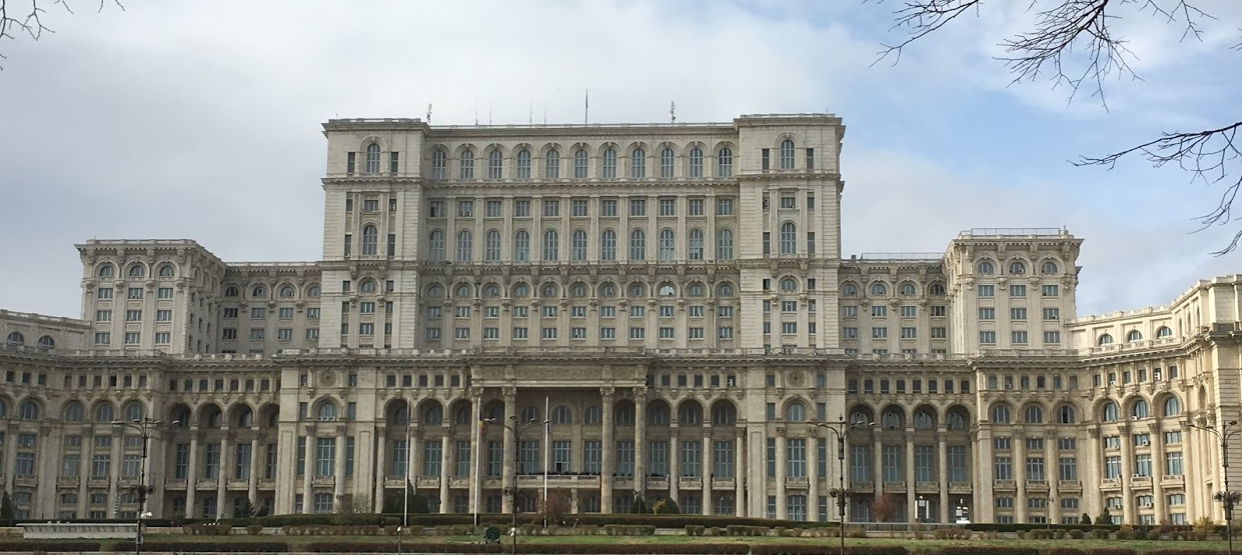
x: 838, y: 429
x: 1229, y: 499
x: 146, y: 427
x: 517, y: 428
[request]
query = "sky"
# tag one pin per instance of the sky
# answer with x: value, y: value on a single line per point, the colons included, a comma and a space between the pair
x: 201, y: 119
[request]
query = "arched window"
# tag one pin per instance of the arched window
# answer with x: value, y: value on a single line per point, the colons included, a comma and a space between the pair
x: 434, y: 415
x: 1141, y: 409
x: 578, y: 290
x: 245, y: 418
x: 658, y: 415
x: 694, y: 250
x: 521, y: 245
x: 521, y: 291
x: 370, y: 240
x: 287, y: 292
x: 638, y: 245
x: 986, y: 268
x: 607, y: 290
x: 724, y: 162
x: 28, y: 410
x: 608, y: 245
x: 578, y: 248
x: 1000, y: 414
x: 106, y: 270
x: 435, y: 291
x: 1106, y: 339
x: 313, y: 291
x: 637, y: 291
x: 491, y: 291
x: 1164, y: 331
x: 465, y: 246
x: 690, y: 413
x: 496, y: 164
x: 232, y: 291
x: 860, y: 418
x: 625, y: 415
x: 795, y: 412
x: 789, y: 238
x: 610, y: 164
x: 667, y: 245
x: 1111, y: 413
x: 439, y: 164
x: 326, y: 411
x: 552, y: 164
x: 259, y: 292
x: 723, y: 414
x: 435, y: 245
x: 462, y: 416
x: 849, y: 290
x: 1017, y: 268
x: 724, y: 244
x: 1048, y: 268
x: 466, y: 165
x: 936, y: 289
x: 1134, y: 335
x: 638, y: 163
x: 1172, y: 407
x: 667, y: 290
x: 1066, y: 415
x: 724, y: 290
x: 788, y: 285
x: 696, y: 162
x: 373, y: 158
x: 562, y: 415
x: 137, y: 271
x: 1033, y: 415
x: 592, y: 415
x: 74, y: 412
x: 15, y: 339
x: 523, y: 163
x: 551, y: 245
x: 666, y: 163
x: 955, y: 421
x: 367, y: 286
x: 548, y: 290
x: 923, y: 420
x: 462, y: 292
x: 166, y: 270
x: 491, y: 246
x: 907, y: 289
x: 581, y: 159
x: 892, y: 419
x: 104, y: 413
x: 787, y: 154
x: 132, y: 411
x: 879, y: 289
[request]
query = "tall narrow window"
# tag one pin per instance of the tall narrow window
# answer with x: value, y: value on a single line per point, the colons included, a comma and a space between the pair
x: 667, y: 244
x: 521, y: 245
x: 638, y: 163
x: 495, y: 164
x: 373, y: 158
x: 666, y: 163
x: 552, y: 164
x: 491, y: 247
x: 695, y: 250
x: 579, y: 247
x: 724, y: 162
x: 638, y: 245
x: 696, y: 162
x: 523, y: 164
x: 435, y: 245
x: 467, y: 164
x: 370, y: 240
x: 608, y: 245
x: 394, y: 162
x: 610, y: 164
x: 465, y: 246
x: 439, y: 164
x: 787, y: 154
x: 551, y: 245
x: 789, y: 238
x: 724, y: 245
x: 580, y: 163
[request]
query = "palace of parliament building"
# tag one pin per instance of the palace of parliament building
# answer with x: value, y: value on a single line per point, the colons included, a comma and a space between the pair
x: 671, y: 300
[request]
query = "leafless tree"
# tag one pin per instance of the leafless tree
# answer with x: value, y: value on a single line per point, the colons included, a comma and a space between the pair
x: 25, y: 17
x: 1071, y: 43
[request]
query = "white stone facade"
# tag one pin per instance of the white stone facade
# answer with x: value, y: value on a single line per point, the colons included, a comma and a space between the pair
x: 675, y: 294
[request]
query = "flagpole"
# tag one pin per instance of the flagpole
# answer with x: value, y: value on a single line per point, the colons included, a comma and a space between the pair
x: 547, y: 456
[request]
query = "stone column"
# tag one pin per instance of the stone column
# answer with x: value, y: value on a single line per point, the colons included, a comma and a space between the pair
x: 1158, y: 471
x: 307, y: 501
x: 510, y: 456
x: 705, y: 473
x: 640, y: 440
x: 983, y: 509
x: 191, y: 477
x: 338, y: 470
x: 445, y: 471
x: 381, y: 466
x: 739, y: 473
x: 118, y: 439
x: 877, y: 457
x: 1127, y: 475
x: 912, y: 507
x: 1189, y: 460
x: 476, y: 455
x: 252, y: 490
x: 1019, y: 475
x: 608, y: 457
x: 782, y: 474
x: 813, y: 477
x: 1052, y: 472
x: 942, y: 465
x: 674, y: 462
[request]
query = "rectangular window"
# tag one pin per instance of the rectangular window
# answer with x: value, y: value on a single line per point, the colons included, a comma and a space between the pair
x: 1050, y: 290
x: 924, y: 463
x: 722, y: 459
x: 724, y: 207
x: 211, y: 461
x: 1067, y: 468
x: 691, y: 459
x: 659, y: 458
x: 795, y: 458
x: 668, y: 207
x: 592, y: 456
x: 860, y: 463
x: 638, y: 207
x: 433, y: 454
x: 987, y: 337
x: 891, y: 457
x: 1017, y: 290
x: 695, y: 206
x: 957, y: 463
x: 625, y: 457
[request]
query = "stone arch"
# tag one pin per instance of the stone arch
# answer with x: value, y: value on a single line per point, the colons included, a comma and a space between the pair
x: 924, y: 417
x: 269, y: 416
x: 893, y: 417
x: 690, y: 412
x: 209, y: 415
x: 724, y: 413
x: 241, y: 415
x: 658, y: 413
x: 862, y: 415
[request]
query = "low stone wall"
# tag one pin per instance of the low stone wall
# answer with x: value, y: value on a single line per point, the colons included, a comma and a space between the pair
x: 75, y: 531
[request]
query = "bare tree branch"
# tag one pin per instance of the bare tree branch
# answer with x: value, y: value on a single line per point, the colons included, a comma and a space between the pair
x: 28, y: 20
x: 1072, y: 44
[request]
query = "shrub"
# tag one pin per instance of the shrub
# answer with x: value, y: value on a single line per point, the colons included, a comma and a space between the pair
x: 1109, y: 551
x: 1100, y: 534
x: 200, y: 547
x: 694, y: 530
x: 34, y: 546
x: 989, y: 550
x: 1185, y: 552
x: 818, y: 549
x: 1063, y: 551
x: 208, y: 529
x: 1077, y: 534
x: 254, y: 529
x: 545, y: 549
x: 1154, y: 534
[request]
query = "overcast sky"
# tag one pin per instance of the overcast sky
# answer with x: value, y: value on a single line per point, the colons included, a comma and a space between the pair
x: 201, y: 119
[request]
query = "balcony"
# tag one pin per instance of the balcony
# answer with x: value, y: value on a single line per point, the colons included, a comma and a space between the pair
x: 723, y: 483
x: 68, y: 481
x: 657, y: 482
x: 895, y: 487
x: 1069, y: 485
x: 963, y: 488
x: 27, y: 481
x: 797, y: 483
x: 690, y: 483
x: 862, y: 487
x: 1037, y: 485
x: 1004, y: 485
x: 927, y: 487
x: 1173, y: 481
x: 426, y: 482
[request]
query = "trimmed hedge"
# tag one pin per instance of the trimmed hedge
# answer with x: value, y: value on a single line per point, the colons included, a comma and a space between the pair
x: 427, y: 520
x: 820, y: 549
x: 199, y: 547
x: 1063, y: 551
x: 544, y: 549
x: 31, y: 546
x: 1109, y: 551
x: 1185, y: 552
x: 987, y: 550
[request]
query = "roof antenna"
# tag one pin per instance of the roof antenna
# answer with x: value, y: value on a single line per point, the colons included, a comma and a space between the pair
x: 428, y: 113
x: 476, y: 112
x: 530, y: 112
x: 489, y: 111
x: 586, y: 107
x: 672, y: 112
